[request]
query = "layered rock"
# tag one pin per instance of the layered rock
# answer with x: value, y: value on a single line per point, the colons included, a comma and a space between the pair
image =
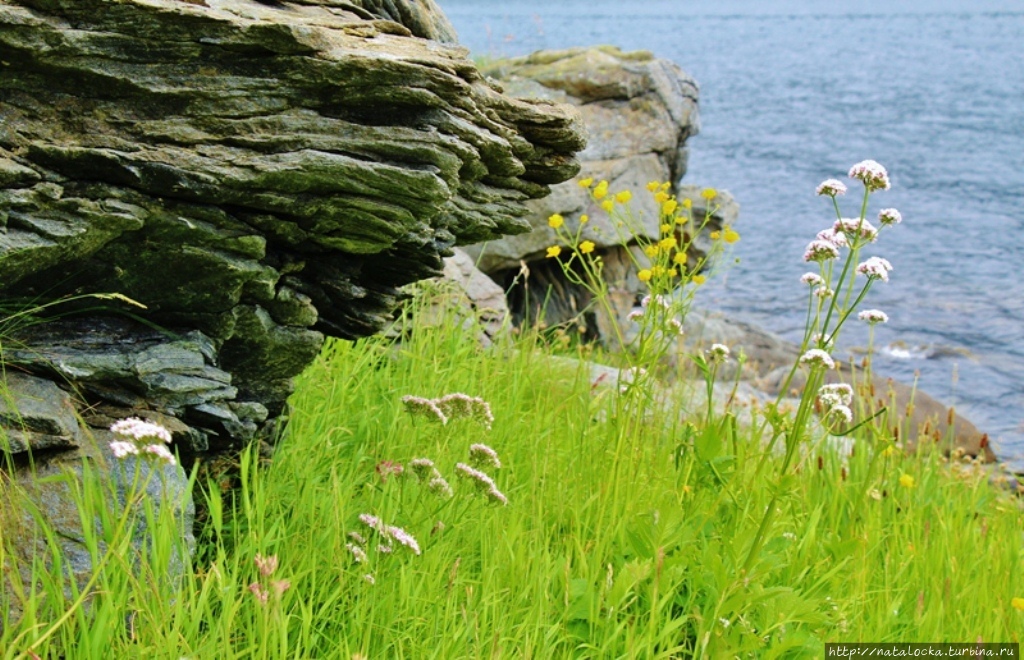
x: 258, y: 175
x: 639, y: 112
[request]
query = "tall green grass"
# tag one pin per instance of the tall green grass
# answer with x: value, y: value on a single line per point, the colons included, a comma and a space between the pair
x: 625, y: 534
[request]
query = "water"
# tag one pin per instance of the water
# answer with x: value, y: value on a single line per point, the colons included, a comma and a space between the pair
x: 796, y: 92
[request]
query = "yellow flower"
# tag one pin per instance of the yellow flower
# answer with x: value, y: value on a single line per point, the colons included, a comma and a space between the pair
x: 661, y: 197
x: 644, y: 275
x: 653, y: 185
x: 669, y: 207
x: 554, y: 251
x: 731, y: 236
x: 672, y: 272
x: 584, y: 219
x: 666, y: 228
x: 906, y: 481
x: 601, y: 190
x: 555, y: 221
x: 687, y: 203
x: 586, y: 247
x: 651, y: 251
x: 623, y: 197
x: 608, y: 205
x: 709, y: 193
x: 666, y: 185
x: 699, y: 279
x: 667, y: 243
x: 1017, y: 603
x: 657, y: 271
x: 889, y: 451
x: 680, y: 219
x: 679, y: 259
x: 585, y: 183
x: 715, y: 235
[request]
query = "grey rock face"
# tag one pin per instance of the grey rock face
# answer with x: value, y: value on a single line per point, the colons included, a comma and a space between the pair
x: 258, y: 175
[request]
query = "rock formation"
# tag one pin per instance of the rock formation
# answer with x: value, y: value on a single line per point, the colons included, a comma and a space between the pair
x: 258, y: 175
x: 639, y: 112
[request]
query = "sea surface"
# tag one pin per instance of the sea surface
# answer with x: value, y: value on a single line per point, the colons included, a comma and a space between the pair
x: 796, y: 92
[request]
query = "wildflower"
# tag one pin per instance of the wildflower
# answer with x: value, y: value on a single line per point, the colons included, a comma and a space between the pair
x: 371, y: 521
x: 871, y: 174
x: 554, y: 251
x: 725, y: 622
x: 669, y: 207
x: 875, y: 268
x: 658, y: 299
x: 906, y: 481
x: 584, y: 219
x: 384, y: 549
x: 160, y: 453
x: 715, y: 235
x: 260, y: 592
x: 555, y: 220
x: 856, y: 227
x: 698, y: 279
x: 821, y: 340
x: 644, y: 275
x: 440, y: 487
x: 138, y: 430
x: 601, y: 190
x: 709, y: 193
x: 889, y: 451
x: 482, y: 482
x: 423, y: 468
x: 357, y: 538
x: 667, y: 243
x: 661, y: 198
x: 652, y: 186
x: 843, y: 412
x: 687, y: 203
x: 586, y: 247
x: 496, y: 495
x: 730, y: 235
x: 718, y: 352
x: 677, y: 326
x: 635, y: 315
x: 403, y: 537
x: 608, y: 205
x: 812, y: 279
x: 358, y: 554
x: 482, y: 455
x: 652, y: 250
x: 819, y: 250
x: 887, y: 217
x: 818, y: 358
x: 873, y: 316
x: 824, y: 292
x: 123, y: 449
x: 658, y: 270
x: 831, y: 188
x: 840, y: 393
x: 388, y: 468
x: 586, y: 183
x: 265, y: 565
x: 832, y: 236
x: 369, y: 579
x: 280, y: 586
x: 457, y: 404
x: 679, y: 258
x: 665, y: 228
x: 1017, y: 603
x: 416, y: 405
x: 623, y: 197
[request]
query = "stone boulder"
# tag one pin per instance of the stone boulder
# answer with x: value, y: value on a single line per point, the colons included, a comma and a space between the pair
x: 256, y: 174
x: 639, y: 112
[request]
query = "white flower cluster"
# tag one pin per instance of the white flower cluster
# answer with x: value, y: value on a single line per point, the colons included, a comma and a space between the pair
x: 142, y: 438
x: 816, y: 357
x: 831, y: 188
x: 873, y: 316
x: 389, y: 533
x: 482, y: 482
x: 875, y: 268
x: 451, y: 406
x: 873, y: 175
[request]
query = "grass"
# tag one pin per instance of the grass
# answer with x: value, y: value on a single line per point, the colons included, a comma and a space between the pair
x: 627, y: 528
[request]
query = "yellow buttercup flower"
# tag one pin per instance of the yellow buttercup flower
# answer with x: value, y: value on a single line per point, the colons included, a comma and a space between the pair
x: 584, y: 219
x: 586, y: 247
x: 644, y: 275
x: 709, y: 193
x: 679, y: 259
x: 653, y: 185
x: 687, y: 203
x: 667, y: 243
x: 1017, y: 603
x: 651, y: 251
x: 715, y: 235
x: 731, y: 236
x: 585, y: 183
x: 623, y: 197
x: 906, y: 481
x: 608, y: 205
x: 555, y: 221
x: 666, y: 185
x: 672, y: 272
x: 666, y: 228
x: 889, y: 451
x: 699, y: 279
x: 657, y: 271
x: 554, y: 251
x: 661, y: 197
x: 669, y: 207
x: 680, y: 219
x: 601, y: 190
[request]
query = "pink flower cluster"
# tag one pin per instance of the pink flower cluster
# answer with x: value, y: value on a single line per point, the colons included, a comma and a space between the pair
x: 482, y: 482
x: 390, y: 533
x: 141, y: 438
x: 266, y: 566
x: 871, y: 174
x: 451, y: 406
x: 875, y: 268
